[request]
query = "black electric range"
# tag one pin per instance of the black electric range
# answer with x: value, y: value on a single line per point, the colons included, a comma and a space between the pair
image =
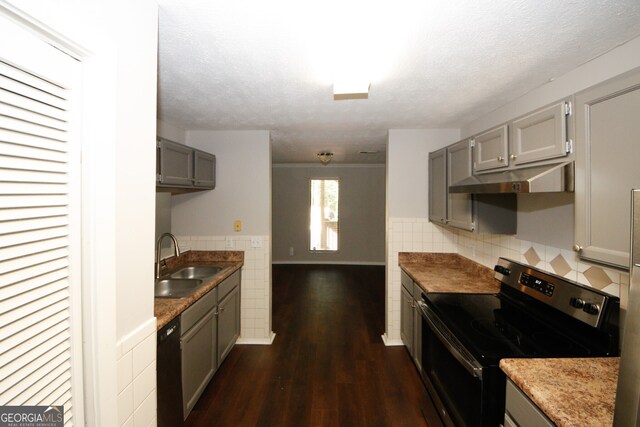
x: 536, y: 314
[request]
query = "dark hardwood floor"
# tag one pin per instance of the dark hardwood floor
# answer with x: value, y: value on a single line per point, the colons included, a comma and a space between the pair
x: 327, y: 366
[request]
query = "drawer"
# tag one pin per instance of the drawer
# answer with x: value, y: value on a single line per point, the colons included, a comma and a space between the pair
x: 194, y: 313
x: 228, y: 284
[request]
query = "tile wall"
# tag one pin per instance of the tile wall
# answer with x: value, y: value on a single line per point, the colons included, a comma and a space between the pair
x: 420, y: 235
x: 136, y: 380
x: 256, y: 282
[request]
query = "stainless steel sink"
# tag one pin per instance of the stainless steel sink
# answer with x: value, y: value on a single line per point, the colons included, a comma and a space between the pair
x: 176, y: 288
x: 197, y: 272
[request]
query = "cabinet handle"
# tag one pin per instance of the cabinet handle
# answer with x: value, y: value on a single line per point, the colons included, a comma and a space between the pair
x: 500, y: 158
x: 513, y: 157
x: 577, y: 248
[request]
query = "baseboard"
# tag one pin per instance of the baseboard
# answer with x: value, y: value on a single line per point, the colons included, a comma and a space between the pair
x: 330, y: 262
x: 257, y: 341
x: 391, y: 343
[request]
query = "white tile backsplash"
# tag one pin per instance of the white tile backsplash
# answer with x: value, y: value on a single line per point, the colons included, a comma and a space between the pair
x: 420, y: 235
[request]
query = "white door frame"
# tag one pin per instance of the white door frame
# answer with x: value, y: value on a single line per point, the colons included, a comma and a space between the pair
x: 93, y: 319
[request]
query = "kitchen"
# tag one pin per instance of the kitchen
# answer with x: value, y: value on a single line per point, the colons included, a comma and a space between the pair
x: 123, y: 322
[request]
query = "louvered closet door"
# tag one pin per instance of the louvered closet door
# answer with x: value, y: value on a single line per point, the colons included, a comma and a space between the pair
x: 39, y: 206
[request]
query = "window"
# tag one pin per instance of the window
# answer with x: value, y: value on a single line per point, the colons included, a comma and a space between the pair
x: 323, y: 215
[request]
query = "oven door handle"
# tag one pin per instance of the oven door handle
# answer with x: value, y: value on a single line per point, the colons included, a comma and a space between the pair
x: 456, y: 349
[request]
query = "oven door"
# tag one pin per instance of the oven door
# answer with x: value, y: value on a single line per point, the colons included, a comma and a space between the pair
x: 458, y: 384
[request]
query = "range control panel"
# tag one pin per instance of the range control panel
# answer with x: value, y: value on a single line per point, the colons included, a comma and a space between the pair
x: 581, y: 302
x: 537, y: 284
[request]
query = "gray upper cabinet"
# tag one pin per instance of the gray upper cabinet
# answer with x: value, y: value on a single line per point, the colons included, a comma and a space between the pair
x: 484, y: 213
x: 180, y: 168
x: 607, y: 155
x: 541, y: 135
x: 459, y: 206
x: 438, y: 186
x: 175, y: 163
x: 491, y: 149
x: 204, y: 169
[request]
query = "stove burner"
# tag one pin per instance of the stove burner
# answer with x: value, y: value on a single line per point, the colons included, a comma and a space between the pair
x: 551, y: 343
x: 486, y: 327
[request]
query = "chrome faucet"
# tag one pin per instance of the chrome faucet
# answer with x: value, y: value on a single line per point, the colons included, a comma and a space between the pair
x: 176, y: 251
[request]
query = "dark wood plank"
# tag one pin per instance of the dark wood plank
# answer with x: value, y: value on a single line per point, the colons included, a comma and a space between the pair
x: 327, y: 366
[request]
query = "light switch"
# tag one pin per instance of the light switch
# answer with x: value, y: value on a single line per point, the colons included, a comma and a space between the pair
x: 237, y: 226
x: 228, y: 243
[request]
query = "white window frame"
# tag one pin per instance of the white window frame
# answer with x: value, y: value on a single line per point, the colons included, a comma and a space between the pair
x: 322, y: 251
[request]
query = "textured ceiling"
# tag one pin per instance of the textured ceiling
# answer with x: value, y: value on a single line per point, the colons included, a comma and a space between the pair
x: 255, y: 64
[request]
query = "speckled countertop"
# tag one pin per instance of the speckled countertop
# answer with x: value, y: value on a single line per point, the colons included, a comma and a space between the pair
x: 448, y: 272
x: 166, y: 309
x: 578, y: 392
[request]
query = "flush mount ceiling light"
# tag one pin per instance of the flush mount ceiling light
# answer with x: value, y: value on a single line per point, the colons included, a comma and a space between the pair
x: 325, y: 157
x: 350, y: 90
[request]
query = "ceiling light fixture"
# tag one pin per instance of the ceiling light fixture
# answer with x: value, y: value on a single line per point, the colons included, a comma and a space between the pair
x: 351, y: 90
x: 325, y: 157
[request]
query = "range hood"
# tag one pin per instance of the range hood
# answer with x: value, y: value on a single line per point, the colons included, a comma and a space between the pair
x: 558, y: 177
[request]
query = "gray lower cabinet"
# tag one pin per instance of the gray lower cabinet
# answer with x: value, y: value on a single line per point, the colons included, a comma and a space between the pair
x: 209, y: 330
x: 198, y: 339
x: 406, y: 317
x: 607, y: 154
x: 411, y: 320
x: 198, y: 360
x: 520, y: 411
x: 228, y: 323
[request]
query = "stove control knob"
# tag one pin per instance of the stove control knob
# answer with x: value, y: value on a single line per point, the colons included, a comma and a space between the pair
x: 591, y: 308
x: 576, y: 302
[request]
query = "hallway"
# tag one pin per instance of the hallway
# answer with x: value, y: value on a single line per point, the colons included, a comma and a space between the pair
x: 327, y: 366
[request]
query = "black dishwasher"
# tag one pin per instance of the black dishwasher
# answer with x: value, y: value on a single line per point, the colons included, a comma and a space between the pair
x: 169, y: 378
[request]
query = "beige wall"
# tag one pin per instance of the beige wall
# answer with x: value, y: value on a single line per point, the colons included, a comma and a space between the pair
x: 407, y: 168
x: 361, y: 212
x: 243, y: 188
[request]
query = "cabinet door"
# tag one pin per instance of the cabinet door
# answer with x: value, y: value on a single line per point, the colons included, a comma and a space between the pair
x: 406, y: 319
x: 204, y: 169
x: 607, y: 157
x: 417, y: 336
x: 438, y: 186
x: 491, y: 149
x: 540, y: 135
x: 176, y: 163
x: 198, y: 360
x: 459, y: 212
x: 228, y: 323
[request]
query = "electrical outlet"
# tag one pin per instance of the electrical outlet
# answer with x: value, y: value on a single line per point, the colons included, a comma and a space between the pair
x: 228, y: 243
x: 237, y: 226
x: 256, y: 242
